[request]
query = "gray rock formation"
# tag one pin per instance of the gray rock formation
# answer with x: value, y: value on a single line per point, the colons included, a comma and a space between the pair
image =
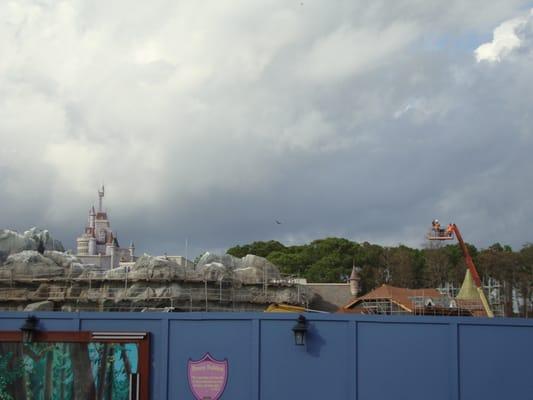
x: 115, y: 273
x: 72, y: 265
x: 91, y: 271
x: 30, y: 264
x: 219, y: 283
x: 139, y: 292
x: 256, y: 269
x: 214, y: 271
x: 226, y: 260
x: 148, y: 267
x: 40, y: 306
x: 13, y: 242
x: 248, y: 270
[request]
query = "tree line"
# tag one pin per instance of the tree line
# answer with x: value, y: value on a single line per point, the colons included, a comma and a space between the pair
x: 331, y: 260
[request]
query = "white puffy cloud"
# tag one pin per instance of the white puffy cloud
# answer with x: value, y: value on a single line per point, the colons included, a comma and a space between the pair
x: 508, y: 36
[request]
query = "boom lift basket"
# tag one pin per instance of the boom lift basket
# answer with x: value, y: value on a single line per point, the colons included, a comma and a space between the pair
x: 438, y: 233
x: 441, y: 235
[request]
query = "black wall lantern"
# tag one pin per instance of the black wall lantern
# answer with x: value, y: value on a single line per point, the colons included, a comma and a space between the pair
x: 300, y: 329
x: 29, y: 329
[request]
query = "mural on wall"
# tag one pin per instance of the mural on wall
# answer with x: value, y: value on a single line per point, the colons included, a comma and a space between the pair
x: 66, y: 371
x: 207, y: 377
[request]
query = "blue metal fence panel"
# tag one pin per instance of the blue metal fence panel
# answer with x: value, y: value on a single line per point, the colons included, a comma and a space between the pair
x: 346, y: 357
x: 403, y: 361
x: 496, y: 362
x: 229, y: 340
x: 318, y: 370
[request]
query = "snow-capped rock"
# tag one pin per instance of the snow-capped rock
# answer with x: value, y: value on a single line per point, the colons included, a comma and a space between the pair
x: 149, y: 267
x: 72, y: 264
x: 31, y: 264
x: 250, y: 269
x: 227, y: 260
x: 40, y: 306
x: 13, y: 242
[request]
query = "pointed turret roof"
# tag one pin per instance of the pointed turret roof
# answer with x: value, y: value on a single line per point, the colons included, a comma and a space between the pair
x: 354, y: 275
x: 468, y: 297
x: 354, y: 282
x: 468, y: 290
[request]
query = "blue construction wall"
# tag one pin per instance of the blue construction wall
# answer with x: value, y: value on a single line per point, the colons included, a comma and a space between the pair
x: 346, y: 357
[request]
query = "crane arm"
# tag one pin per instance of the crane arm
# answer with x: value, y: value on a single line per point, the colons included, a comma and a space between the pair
x: 468, y: 258
x: 473, y: 271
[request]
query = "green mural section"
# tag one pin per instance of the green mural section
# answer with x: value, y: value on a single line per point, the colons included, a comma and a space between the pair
x: 66, y: 371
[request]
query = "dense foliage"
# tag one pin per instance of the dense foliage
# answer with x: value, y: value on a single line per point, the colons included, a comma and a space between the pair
x: 331, y: 260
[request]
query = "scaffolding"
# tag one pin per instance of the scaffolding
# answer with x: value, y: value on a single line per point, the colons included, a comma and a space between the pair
x: 419, y: 305
x: 96, y: 290
x: 492, y: 287
x: 385, y: 306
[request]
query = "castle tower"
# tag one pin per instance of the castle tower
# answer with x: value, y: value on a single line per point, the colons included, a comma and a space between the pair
x: 100, y: 197
x: 354, y: 281
x: 92, y: 218
x: 92, y: 246
x: 82, y: 246
x: 132, y: 250
x: 109, y: 245
x: 111, y: 249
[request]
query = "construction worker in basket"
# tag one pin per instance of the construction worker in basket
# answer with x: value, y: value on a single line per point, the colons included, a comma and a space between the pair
x: 436, y: 226
x: 449, y: 230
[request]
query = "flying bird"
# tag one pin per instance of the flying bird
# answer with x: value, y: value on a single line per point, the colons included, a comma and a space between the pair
x: 277, y: 222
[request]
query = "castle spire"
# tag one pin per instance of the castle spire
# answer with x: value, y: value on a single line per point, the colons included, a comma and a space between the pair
x: 100, y: 197
x: 354, y: 281
x: 92, y: 217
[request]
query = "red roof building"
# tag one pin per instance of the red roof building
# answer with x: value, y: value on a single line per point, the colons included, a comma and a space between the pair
x: 391, y: 300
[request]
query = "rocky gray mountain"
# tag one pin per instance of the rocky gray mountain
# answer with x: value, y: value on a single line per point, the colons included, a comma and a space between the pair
x: 30, y: 264
x: 13, y: 242
x: 222, y: 283
x: 149, y: 267
x: 250, y: 269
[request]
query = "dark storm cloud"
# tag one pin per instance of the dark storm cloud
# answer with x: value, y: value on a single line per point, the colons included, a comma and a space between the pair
x: 208, y: 124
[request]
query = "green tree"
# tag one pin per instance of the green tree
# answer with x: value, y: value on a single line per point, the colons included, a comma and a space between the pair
x: 502, y: 264
x: 331, y: 259
x: 327, y: 269
x: 262, y: 249
x: 525, y: 277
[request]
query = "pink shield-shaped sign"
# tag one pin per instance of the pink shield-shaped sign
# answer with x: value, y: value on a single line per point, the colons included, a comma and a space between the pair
x: 207, y: 377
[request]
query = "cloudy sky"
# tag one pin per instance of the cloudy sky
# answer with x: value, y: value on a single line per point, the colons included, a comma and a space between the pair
x: 209, y: 121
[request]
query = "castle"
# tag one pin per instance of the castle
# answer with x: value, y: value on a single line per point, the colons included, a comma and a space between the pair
x: 98, y: 245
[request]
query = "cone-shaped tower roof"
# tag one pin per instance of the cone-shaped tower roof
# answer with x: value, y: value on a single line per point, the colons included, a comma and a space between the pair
x: 354, y: 282
x: 354, y: 275
x: 468, y: 289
